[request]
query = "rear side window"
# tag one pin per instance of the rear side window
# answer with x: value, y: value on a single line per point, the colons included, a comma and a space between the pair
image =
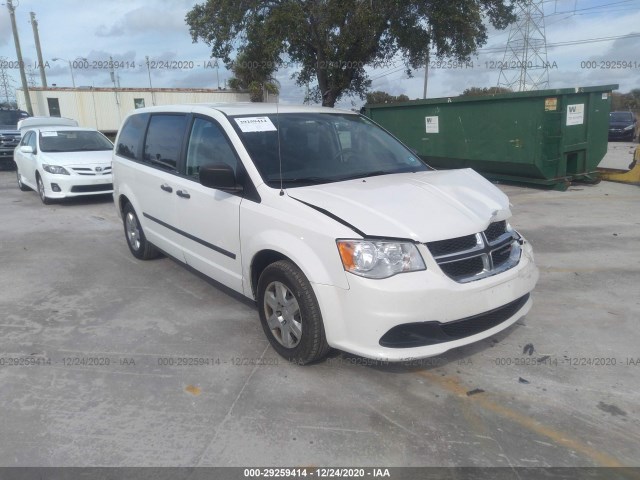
x: 131, y: 136
x: 164, y: 141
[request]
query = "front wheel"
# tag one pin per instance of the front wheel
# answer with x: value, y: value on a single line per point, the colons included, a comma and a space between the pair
x: 136, y: 240
x: 41, y: 191
x: 290, y: 314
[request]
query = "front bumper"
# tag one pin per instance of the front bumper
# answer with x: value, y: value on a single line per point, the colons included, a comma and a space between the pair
x: 73, y: 185
x: 621, y: 134
x: 358, y: 318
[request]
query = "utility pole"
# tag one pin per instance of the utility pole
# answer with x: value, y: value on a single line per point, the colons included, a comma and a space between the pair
x: 218, y: 74
x: 116, y: 85
x: 16, y: 40
x: 36, y: 37
x: 153, y: 98
x: 426, y: 77
x: 426, y: 67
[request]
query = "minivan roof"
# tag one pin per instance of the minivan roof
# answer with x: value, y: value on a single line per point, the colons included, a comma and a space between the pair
x: 248, y: 108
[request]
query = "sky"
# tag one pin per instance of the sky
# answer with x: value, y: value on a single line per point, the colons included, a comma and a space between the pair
x: 589, y: 42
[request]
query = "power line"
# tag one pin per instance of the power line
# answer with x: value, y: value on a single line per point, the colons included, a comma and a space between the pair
x: 590, y: 8
x: 570, y: 42
x: 549, y: 45
x: 500, y: 48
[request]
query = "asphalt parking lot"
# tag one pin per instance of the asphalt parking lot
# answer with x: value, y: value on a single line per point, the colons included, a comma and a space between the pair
x: 109, y: 361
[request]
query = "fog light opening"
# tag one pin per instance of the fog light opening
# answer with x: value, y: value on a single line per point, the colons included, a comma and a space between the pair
x: 55, y: 187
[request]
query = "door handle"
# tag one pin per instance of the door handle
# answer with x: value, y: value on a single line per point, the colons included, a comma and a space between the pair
x: 183, y: 194
x: 166, y: 188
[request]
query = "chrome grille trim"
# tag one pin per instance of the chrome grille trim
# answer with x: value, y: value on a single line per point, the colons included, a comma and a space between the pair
x: 91, y: 171
x: 466, y: 260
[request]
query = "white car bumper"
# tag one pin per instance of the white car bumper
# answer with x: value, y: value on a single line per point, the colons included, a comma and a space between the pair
x: 426, y: 308
x: 74, y: 185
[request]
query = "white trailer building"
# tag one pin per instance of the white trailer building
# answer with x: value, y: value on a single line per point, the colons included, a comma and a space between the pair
x: 105, y: 108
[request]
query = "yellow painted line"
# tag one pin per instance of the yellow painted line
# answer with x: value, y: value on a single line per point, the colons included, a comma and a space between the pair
x: 452, y: 384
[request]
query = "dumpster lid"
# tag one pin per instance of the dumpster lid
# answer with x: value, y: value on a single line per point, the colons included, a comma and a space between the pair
x: 498, y: 96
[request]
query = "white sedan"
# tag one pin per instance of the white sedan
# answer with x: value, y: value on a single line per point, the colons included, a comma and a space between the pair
x: 60, y: 162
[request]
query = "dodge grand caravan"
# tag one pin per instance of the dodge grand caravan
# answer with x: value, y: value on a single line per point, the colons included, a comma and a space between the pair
x: 340, y: 233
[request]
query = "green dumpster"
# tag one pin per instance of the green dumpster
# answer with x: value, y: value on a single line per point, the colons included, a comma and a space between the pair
x: 544, y: 137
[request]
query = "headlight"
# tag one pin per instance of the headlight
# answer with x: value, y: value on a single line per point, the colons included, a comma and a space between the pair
x: 55, y: 169
x: 379, y: 259
x: 630, y: 127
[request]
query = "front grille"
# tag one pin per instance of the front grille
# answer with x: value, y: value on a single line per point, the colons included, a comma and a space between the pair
x: 473, y: 257
x: 103, y: 187
x: 91, y: 171
x: 501, y: 255
x: 411, y: 335
x: 495, y: 230
x: 459, y: 244
x: 461, y: 269
x: 10, y: 137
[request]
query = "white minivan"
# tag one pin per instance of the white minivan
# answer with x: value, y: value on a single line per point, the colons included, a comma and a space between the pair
x: 339, y: 232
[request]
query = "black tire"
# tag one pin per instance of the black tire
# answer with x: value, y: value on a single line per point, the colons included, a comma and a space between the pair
x: 302, y: 340
x: 136, y: 240
x: 41, y: 192
x: 21, y: 185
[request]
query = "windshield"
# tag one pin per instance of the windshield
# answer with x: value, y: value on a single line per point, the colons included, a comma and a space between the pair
x: 621, y: 117
x: 73, y: 141
x: 321, y: 148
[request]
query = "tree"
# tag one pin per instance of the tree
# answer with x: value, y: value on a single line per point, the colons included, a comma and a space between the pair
x: 384, y: 97
x: 483, y: 91
x: 254, y: 76
x: 626, y: 101
x: 332, y: 41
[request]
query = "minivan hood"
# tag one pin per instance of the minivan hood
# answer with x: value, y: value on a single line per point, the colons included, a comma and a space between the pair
x: 422, y: 206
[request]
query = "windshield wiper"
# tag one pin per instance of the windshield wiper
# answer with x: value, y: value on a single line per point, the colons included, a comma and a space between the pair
x: 375, y: 173
x: 298, y: 180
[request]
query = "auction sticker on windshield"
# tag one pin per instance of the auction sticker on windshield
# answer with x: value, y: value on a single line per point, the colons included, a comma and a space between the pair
x: 255, y: 124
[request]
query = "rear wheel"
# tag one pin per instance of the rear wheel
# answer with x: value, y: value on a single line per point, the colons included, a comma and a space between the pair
x: 21, y: 185
x: 290, y: 314
x: 41, y: 191
x: 136, y: 240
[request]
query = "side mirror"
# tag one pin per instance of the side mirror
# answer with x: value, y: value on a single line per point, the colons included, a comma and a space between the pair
x: 26, y: 149
x: 219, y: 176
